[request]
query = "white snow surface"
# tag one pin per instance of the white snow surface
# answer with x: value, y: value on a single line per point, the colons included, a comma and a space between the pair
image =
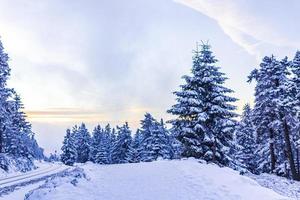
x: 279, y: 184
x: 160, y: 180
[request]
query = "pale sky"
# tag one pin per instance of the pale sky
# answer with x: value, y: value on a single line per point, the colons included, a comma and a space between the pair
x: 111, y: 61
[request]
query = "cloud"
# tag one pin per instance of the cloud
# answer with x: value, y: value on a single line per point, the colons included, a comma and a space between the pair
x: 77, y: 115
x: 111, y: 61
x: 47, y: 65
x: 256, y: 26
x: 64, y: 113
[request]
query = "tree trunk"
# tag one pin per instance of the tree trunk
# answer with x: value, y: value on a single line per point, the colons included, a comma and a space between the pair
x: 272, y: 150
x: 1, y: 142
x: 286, y: 171
x: 214, y: 147
x: 289, y: 152
x: 298, y: 170
x: 1, y: 138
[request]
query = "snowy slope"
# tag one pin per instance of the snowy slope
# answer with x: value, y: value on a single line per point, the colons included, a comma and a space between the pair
x: 160, y: 180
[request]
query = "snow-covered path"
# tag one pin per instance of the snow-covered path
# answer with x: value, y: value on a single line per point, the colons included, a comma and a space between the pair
x: 162, y: 180
x: 25, y: 180
x: 11, y: 180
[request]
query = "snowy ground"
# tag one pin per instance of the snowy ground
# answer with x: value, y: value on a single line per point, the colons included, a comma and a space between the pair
x: 20, y: 193
x: 280, y: 185
x: 160, y: 180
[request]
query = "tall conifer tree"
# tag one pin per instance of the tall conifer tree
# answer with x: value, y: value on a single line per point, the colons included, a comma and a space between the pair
x: 205, y: 114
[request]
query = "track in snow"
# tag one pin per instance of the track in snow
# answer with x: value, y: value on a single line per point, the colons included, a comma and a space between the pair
x: 25, y: 174
x: 10, y: 184
x: 28, y: 176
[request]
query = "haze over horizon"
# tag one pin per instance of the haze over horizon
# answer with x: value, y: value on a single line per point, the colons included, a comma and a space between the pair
x: 112, y: 61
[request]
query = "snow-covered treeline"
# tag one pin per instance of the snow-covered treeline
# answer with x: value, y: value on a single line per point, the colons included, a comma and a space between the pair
x: 266, y: 139
x: 112, y: 146
x: 16, y: 136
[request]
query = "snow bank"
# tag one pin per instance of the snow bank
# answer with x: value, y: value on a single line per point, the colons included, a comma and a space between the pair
x: 10, y: 164
x: 67, y: 179
x: 159, y: 180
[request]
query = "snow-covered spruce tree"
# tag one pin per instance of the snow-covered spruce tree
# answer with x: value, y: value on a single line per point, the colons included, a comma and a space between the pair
x: 101, y: 157
x: 30, y: 148
x: 204, y: 111
x: 121, y: 149
x: 95, y: 142
x: 273, y: 112
x: 99, y: 150
x: 16, y: 137
x: 295, y: 67
x: 155, y: 141
x: 4, y: 94
x: 264, y: 115
x: 82, y: 143
x: 246, y: 141
x: 146, y: 125
x: 132, y: 155
x: 113, y: 137
x: 166, y: 143
x: 54, y: 157
x: 144, y: 132
x: 69, y: 154
x: 157, y: 145
x: 287, y: 120
x: 109, y: 143
x: 175, y: 144
x: 16, y: 129
x: 136, y: 147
